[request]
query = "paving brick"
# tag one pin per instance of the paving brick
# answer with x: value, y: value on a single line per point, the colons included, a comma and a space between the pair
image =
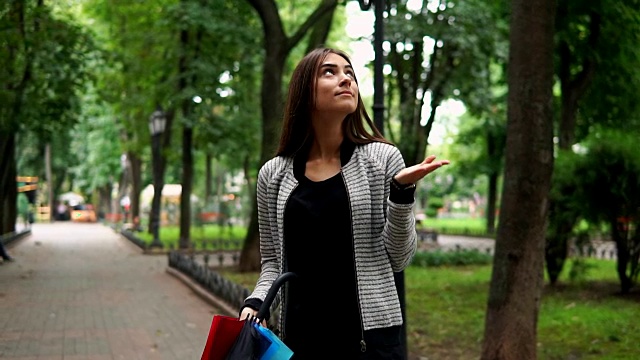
x: 83, y: 292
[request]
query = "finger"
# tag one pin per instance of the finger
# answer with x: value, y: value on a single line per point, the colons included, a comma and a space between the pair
x: 429, y: 159
x: 246, y: 313
x: 428, y: 168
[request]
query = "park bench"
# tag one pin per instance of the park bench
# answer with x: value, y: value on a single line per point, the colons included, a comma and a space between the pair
x: 429, y: 236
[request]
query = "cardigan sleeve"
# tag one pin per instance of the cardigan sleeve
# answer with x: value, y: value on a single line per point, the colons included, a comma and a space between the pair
x: 400, y: 228
x: 268, y: 248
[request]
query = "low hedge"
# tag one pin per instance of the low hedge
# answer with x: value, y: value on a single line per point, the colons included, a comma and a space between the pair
x: 451, y: 258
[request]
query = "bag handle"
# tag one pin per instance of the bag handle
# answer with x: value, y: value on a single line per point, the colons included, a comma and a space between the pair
x: 271, y: 295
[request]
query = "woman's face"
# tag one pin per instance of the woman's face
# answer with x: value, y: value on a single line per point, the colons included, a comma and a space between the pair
x: 336, y: 87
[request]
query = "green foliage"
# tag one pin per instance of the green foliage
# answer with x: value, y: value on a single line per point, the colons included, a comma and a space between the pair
x: 23, y: 206
x: 60, y: 71
x: 579, y: 269
x: 562, y: 194
x: 433, y: 205
x: 92, y: 142
x: 608, y: 176
x: 451, y: 258
x: 43, y: 68
x: 439, y: 51
x: 220, y: 66
x: 44, y: 61
x: 610, y: 101
x: 601, y: 184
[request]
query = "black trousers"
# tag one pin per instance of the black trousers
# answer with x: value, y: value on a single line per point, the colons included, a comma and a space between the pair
x: 381, y: 344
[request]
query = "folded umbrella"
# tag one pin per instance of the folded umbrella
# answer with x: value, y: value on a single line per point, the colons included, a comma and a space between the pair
x: 256, y: 341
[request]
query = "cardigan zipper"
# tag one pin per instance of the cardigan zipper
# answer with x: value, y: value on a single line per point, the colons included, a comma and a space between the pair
x: 283, y: 265
x: 363, y: 344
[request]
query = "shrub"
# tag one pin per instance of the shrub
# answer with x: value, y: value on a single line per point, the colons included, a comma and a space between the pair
x: 451, y: 258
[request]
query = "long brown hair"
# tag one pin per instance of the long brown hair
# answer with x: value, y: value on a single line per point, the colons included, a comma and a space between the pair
x: 297, y: 131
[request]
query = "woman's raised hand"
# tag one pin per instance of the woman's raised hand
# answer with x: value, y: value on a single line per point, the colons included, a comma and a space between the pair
x: 414, y: 173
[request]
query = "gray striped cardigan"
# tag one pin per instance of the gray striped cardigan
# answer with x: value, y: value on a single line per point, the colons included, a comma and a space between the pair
x: 383, y: 232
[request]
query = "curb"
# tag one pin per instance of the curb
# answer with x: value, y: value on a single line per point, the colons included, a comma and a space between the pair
x: 203, y: 293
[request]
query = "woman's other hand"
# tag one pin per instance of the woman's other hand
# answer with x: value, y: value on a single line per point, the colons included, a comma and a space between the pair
x: 248, y: 312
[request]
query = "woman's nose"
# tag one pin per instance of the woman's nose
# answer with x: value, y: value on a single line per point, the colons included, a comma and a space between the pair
x: 345, y: 81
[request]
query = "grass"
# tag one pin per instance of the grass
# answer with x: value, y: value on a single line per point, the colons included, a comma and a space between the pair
x: 210, y: 237
x: 456, y: 226
x: 583, y: 319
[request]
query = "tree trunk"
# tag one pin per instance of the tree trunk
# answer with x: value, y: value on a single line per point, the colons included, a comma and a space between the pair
x: 136, y: 188
x: 207, y: 180
x: 187, y: 43
x: 492, y: 198
x: 517, y: 278
x: 495, y: 150
x: 48, y: 172
x: 320, y: 31
x: 104, y: 200
x: 408, y: 82
x: 556, y: 252
x: 187, y: 181
x: 562, y: 220
x: 572, y: 87
x: 250, y: 254
x: 9, y: 191
x: 620, y: 235
x: 187, y: 135
x: 18, y: 68
x: 123, y: 186
x: 423, y: 134
x: 277, y: 47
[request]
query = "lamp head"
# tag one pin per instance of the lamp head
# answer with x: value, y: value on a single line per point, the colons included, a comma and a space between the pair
x: 157, y: 122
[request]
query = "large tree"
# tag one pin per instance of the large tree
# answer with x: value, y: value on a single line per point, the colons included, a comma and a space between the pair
x: 517, y: 276
x: 42, y: 62
x: 597, y: 70
x: 609, y: 194
x: 277, y: 45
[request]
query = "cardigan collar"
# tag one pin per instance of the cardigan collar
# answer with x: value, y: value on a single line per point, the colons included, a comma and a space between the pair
x: 300, y: 160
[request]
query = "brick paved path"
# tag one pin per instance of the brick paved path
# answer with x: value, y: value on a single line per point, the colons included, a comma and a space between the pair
x: 83, y: 292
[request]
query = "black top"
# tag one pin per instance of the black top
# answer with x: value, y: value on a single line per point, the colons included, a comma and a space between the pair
x: 319, y: 248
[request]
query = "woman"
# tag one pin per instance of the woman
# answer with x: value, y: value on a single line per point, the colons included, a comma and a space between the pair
x: 335, y: 207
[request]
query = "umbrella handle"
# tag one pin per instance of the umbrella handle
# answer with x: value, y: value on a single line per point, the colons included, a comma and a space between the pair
x: 271, y: 295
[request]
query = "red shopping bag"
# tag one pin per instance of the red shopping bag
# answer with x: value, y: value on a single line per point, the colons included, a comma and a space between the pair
x: 222, y: 334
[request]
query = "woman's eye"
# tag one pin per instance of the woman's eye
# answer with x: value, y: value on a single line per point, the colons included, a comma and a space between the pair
x: 327, y: 71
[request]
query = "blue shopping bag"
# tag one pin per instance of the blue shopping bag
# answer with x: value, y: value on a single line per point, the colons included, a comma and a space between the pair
x: 277, y: 350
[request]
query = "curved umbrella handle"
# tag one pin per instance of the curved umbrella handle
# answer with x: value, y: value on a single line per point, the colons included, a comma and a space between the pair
x: 271, y: 295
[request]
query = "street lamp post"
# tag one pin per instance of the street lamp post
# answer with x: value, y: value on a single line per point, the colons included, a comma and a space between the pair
x: 157, y: 122
x: 378, y: 61
x: 378, y: 120
x: 124, y: 198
